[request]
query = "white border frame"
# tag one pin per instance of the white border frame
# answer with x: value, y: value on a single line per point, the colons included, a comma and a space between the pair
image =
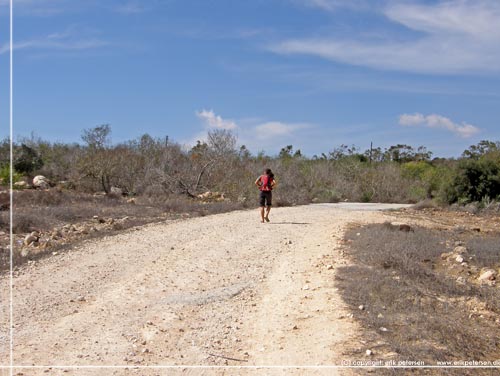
x: 13, y: 367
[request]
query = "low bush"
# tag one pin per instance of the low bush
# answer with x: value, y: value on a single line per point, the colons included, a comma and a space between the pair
x: 412, y: 307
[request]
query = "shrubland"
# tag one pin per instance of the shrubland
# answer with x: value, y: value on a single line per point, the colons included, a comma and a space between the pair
x: 159, y: 170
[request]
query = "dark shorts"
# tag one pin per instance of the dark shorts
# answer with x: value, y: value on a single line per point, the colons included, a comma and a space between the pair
x: 266, y: 198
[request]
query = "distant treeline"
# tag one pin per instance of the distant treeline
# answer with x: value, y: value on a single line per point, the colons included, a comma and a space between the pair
x: 160, y: 168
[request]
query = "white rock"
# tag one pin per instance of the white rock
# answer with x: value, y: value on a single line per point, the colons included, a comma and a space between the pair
x: 41, y: 182
x: 369, y: 352
x: 21, y: 184
x: 487, y: 275
x: 459, y: 259
x: 116, y: 191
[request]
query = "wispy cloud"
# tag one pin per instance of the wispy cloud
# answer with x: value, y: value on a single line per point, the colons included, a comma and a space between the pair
x: 131, y: 7
x: 448, y: 37
x: 42, y: 8
x: 46, y: 8
x: 333, y: 5
x: 463, y: 130
x: 72, y: 38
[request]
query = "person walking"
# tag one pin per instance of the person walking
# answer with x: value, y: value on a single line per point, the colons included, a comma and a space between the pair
x: 266, y: 184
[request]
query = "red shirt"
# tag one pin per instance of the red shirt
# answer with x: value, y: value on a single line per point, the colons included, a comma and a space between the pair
x: 266, y: 183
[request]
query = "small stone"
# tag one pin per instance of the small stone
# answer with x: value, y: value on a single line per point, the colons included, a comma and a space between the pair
x: 30, y: 239
x: 382, y: 329
x: 369, y: 352
x: 361, y: 307
x: 487, y: 275
x: 329, y: 267
x: 459, y: 259
x: 460, y: 249
x: 445, y: 255
x: 80, y: 299
x: 306, y: 287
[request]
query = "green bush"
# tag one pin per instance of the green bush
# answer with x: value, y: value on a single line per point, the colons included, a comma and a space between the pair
x: 5, y: 175
x: 27, y: 160
x: 475, y: 181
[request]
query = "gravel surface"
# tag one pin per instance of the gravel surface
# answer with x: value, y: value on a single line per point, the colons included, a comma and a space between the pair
x: 222, y: 290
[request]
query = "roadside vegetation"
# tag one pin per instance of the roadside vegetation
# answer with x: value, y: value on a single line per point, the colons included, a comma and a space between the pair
x: 423, y: 295
x: 149, y: 179
x: 160, y: 169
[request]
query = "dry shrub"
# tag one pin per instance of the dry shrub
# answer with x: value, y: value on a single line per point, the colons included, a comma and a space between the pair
x: 4, y: 201
x: 394, y: 276
x: 23, y: 223
x: 486, y: 250
x: 4, y: 221
x: 425, y: 204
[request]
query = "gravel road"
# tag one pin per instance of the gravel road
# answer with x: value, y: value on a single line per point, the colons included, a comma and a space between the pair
x: 222, y: 290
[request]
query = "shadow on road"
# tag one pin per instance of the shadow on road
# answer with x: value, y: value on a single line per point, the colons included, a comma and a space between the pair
x: 289, y: 223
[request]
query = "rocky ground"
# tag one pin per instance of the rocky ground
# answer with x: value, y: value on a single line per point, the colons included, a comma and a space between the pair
x: 217, y: 291
x: 223, y: 290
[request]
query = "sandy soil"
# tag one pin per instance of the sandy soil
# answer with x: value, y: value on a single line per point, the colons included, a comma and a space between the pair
x: 223, y: 290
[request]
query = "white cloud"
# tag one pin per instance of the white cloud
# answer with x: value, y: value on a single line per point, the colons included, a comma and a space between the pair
x: 276, y: 128
x: 463, y: 130
x: 449, y: 37
x: 256, y: 133
x: 213, y: 121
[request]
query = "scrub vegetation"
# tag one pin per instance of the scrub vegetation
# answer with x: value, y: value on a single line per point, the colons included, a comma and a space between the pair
x: 415, y: 302
x: 160, y: 176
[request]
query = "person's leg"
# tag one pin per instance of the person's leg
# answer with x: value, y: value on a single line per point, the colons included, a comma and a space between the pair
x: 269, y: 202
x: 262, y: 202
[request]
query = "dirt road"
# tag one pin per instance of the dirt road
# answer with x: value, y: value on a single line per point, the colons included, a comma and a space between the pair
x: 212, y: 291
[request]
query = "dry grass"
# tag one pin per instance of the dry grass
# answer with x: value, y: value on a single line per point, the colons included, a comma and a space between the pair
x: 45, y: 210
x: 428, y: 314
x: 486, y: 250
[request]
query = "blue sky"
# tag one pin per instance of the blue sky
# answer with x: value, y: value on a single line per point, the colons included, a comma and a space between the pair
x: 312, y: 73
